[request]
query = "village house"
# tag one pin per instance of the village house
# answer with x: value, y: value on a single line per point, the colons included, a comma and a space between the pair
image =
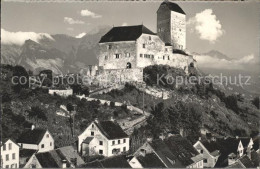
x: 64, y: 157
x: 223, y: 152
x: 61, y: 92
x: 209, y: 151
x: 171, y: 152
x: 103, y: 138
x: 36, y: 139
x: 25, y: 155
x: 9, y: 154
x: 118, y: 161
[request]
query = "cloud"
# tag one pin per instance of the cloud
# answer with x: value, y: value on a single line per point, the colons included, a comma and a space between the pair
x: 86, y: 12
x: 80, y: 35
x: 70, y: 29
x: 207, y: 61
x: 206, y: 25
x: 71, y: 21
x: 124, y: 24
x: 18, y: 38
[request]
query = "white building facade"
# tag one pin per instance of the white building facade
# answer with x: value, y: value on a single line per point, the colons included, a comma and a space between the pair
x: 37, y: 139
x: 9, y: 154
x: 99, y: 139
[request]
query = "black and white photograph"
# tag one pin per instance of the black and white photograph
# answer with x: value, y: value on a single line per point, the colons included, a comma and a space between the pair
x: 130, y: 84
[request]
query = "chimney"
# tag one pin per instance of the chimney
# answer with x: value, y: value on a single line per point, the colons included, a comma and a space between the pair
x: 64, y: 164
x: 96, y: 120
x: 149, y: 139
x: 74, y: 161
x: 32, y: 127
x: 112, y: 119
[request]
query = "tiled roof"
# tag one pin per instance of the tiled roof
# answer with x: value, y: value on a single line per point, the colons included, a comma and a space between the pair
x: 246, y: 161
x: 245, y: 141
x: 150, y: 161
x: 173, y: 7
x: 46, y: 160
x: 125, y: 33
x: 111, y: 129
x: 32, y: 136
x: 210, y: 146
x: 54, y: 158
x: 164, y: 153
x: 119, y: 161
x: 182, y: 149
x: 88, y: 140
x: 26, y: 152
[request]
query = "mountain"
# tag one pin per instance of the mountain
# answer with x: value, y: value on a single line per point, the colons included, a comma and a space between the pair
x: 217, y: 54
x: 62, y: 53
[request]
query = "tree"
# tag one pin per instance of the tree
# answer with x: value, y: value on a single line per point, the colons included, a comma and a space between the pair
x: 20, y: 78
x: 256, y: 102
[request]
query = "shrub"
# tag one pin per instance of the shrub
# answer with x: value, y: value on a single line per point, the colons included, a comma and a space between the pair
x: 112, y: 104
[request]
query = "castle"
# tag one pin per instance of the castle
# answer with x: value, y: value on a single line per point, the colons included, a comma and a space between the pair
x: 124, y: 51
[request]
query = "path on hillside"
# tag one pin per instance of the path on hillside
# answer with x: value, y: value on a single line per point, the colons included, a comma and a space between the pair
x: 127, y: 125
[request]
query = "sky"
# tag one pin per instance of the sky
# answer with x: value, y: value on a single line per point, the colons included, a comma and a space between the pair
x: 229, y: 27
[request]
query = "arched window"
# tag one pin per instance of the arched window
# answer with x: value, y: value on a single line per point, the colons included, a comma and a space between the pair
x: 128, y: 65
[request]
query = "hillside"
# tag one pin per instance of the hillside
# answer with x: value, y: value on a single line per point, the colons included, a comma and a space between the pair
x: 28, y: 106
x: 219, y: 112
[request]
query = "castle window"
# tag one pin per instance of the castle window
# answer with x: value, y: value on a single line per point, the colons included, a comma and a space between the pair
x: 143, y: 45
x: 150, y: 38
x: 105, y: 57
x: 141, y: 55
x: 168, y: 57
x: 152, y: 56
x: 92, y: 133
x: 163, y: 57
x: 117, y: 56
x: 128, y: 65
x: 109, y: 46
x: 166, y: 49
x: 101, y: 143
x: 100, y: 151
x: 127, y: 54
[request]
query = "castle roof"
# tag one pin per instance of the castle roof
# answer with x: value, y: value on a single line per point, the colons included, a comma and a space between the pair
x: 125, y: 33
x: 173, y: 7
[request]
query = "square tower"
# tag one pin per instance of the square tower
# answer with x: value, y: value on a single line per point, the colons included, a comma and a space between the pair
x: 171, y: 25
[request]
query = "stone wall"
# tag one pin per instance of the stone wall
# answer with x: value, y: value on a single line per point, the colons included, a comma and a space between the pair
x: 178, y: 30
x: 119, y: 76
x: 125, y: 50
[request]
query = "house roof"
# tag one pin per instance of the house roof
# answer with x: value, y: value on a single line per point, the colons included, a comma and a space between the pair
x: 111, y: 129
x: 88, y: 140
x: 26, y: 152
x: 182, y: 149
x: 210, y: 146
x: 119, y: 161
x: 32, y: 136
x: 54, y: 158
x: 125, y: 33
x: 246, y: 161
x: 164, y: 153
x: 245, y: 141
x: 150, y: 160
x: 4, y: 140
x: 173, y: 7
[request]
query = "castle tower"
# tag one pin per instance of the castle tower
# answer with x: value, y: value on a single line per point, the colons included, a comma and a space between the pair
x: 171, y: 24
